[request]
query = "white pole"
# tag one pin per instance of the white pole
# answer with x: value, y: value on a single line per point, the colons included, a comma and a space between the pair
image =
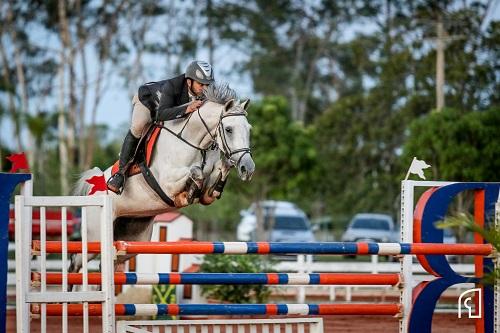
x: 64, y: 287
x: 107, y: 266
x: 407, y: 197
x: 23, y: 242
x: 301, y: 293
x: 83, y: 233
x: 43, y: 265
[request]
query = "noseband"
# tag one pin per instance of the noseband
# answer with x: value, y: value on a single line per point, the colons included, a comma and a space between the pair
x: 228, y: 153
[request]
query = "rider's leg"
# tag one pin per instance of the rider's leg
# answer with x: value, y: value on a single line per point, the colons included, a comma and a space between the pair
x: 141, y: 116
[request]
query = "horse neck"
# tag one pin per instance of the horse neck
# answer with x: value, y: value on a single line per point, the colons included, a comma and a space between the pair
x: 195, y: 131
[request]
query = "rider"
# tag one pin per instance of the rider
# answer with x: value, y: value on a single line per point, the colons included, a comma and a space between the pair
x: 161, y: 101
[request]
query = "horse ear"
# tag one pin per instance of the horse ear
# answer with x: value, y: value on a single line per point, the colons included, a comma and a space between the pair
x: 229, y: 105
x: 245, y: 104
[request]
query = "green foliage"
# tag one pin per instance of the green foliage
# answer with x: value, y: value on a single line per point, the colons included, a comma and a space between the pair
x: 490, y: 234
x: 460, y: 146
x: 292, y: 45
x: 283, y: 151
x: 236, y: 264
x: 285, y: 159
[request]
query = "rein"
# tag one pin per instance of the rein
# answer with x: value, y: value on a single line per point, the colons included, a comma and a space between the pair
x: 219, y: 131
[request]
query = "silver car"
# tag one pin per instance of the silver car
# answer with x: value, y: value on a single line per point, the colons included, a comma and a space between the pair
x: 371, y: 227
x: 283, y: 220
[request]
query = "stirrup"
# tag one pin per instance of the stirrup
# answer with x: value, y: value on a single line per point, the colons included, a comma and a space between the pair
x: 116, y: 188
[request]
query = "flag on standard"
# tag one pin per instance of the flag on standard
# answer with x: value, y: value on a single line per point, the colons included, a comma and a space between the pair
x: 417, y: 167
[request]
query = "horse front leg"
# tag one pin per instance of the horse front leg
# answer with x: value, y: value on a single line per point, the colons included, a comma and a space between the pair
x: 216, y: 187
x: 192, y: 189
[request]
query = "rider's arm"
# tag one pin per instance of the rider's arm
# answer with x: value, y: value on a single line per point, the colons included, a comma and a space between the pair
x: 167, y: 110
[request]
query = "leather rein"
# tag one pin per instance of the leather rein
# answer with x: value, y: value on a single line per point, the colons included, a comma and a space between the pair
x: 220, y: 130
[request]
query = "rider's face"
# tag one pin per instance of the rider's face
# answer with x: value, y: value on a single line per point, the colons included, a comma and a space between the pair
x: 196, y: 87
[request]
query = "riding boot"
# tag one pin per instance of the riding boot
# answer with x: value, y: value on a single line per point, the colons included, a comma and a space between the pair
x: 116, y: 182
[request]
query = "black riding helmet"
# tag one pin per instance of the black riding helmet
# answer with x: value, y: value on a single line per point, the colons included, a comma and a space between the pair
x: 200, y: 71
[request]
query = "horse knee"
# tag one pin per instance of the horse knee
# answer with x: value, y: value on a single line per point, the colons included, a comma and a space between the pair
x: 196, y: 173
x: 181, y: 200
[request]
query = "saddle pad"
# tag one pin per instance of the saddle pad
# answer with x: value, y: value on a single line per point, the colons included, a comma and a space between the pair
x: 149, y: 143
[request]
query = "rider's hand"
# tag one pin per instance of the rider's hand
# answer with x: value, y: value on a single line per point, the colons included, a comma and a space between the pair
x: 193, y: 106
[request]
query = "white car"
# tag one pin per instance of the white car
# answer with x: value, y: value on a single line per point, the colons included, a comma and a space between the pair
x: 285, y: 221
x: 372, y: 227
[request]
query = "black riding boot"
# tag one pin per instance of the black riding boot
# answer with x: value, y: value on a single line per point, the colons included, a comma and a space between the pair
x: 116, y: 182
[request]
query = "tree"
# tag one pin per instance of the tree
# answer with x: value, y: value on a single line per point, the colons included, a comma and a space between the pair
x: 292, y: 45
x: 238, y: 294
x: 285, y: 160
x: 460, y: 146
x: 390, y: 81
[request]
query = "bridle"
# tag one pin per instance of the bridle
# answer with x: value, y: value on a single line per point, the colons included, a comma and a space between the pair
x: 219, y: 131
x: 228, y: 153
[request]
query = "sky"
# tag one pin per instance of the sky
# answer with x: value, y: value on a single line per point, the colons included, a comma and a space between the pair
x: 115, y: 107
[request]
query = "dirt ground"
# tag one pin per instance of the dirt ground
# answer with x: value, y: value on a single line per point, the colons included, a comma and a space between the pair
x: 442, y: 323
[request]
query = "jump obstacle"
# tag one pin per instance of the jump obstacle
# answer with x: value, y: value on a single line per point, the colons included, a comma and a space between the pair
x: 414, y: 316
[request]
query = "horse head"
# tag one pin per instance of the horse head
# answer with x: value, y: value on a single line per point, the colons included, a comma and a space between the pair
x: 233, y: 137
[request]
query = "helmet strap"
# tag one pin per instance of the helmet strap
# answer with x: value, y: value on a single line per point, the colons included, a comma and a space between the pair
x: 189, y: 83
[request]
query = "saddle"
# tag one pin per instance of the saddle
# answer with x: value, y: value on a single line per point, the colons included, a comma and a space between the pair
x: 143, y: 152
x: 142, y: 160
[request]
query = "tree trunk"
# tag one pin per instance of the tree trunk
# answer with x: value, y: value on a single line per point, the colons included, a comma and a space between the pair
x: 210, y: 40
x: 61, y: 120
x: 294, y: 90
x: 311, y: 73
x: 440, y: 46
x: 83, y: 91
x: 23, y: 86
x: 71, y: 128
x: 61, y: 127
x: 69, y: 50
x: 24, y: 98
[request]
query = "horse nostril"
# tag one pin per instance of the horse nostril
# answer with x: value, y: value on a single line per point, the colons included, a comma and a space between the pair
x: 243, y: 169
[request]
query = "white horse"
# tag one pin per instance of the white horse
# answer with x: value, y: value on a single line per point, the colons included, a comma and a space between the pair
x: 186, y: 166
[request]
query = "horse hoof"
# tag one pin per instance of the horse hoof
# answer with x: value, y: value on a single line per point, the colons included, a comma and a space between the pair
x: 207, y: 199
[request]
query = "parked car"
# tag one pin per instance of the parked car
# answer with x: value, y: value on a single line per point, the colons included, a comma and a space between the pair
x: 371, y: 227
x: 283, y: 220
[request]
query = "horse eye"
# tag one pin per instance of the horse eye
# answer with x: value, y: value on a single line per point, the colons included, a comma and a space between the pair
x: 229, y: 130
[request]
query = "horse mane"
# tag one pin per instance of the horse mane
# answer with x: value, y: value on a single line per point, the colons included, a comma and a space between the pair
x: 220, y: 93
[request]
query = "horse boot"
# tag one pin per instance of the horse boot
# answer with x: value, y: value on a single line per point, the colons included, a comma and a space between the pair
x: 194, y: 184
x: 116, y: 182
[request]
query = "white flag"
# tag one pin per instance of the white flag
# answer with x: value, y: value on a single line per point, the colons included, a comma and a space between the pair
x: 417, y: 167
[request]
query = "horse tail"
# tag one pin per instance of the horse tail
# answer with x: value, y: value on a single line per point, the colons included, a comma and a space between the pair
x: 81, y: 186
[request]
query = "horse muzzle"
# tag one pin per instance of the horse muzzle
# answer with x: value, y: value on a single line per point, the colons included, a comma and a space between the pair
x: 246, y: 167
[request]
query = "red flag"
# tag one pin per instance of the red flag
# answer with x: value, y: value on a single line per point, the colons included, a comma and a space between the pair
x: 98, y: 184
x: 19, y: 162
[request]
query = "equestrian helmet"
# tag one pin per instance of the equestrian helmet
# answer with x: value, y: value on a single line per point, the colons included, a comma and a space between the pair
x: 200, y: 71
